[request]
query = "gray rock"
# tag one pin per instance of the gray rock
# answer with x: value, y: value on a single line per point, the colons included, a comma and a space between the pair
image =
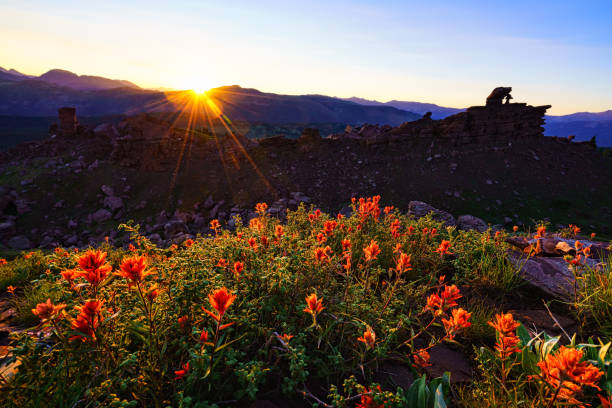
x: 19, y: 242
x: 107, y: 190
x: 209, y: 203
x: 7, y: 228
x: 72, y: 224
x: 101, y: 215
x: 507, y: 220
x: 469, y: 222
x: 550, y: 274
x: 112, y: 202
x: 26, y: 182
x: 174, y: 226
x: 420, y: 209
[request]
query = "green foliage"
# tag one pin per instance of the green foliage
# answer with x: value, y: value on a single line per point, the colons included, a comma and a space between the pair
x: 151, y: 342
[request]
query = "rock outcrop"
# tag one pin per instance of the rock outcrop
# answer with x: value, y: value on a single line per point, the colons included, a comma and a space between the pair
x: 494, y: 124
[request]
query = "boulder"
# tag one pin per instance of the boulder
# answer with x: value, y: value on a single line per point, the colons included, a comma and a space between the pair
x: 112, y: 202
x: 7, y: 228
x: 469, y: 222
x: 101, y: 215
x: 174, y: 226
x: 550, y: 274
x: 107, y: 190
x: 19, y: 242
x: 420, y: 209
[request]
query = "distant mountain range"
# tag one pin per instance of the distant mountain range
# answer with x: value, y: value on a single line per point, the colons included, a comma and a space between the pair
x: 38, y: 96
x: 66, y: 78
x: 437, y: 112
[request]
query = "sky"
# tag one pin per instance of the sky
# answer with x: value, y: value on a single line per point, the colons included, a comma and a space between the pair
x: 451, y: 52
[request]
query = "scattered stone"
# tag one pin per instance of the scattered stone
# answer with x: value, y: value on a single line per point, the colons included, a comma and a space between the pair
x: 19, y: 242
x: 420, y: 209
x: 107, y: 190
x: 101, y: 215
x: 469, y: 222
x: 112, y: 202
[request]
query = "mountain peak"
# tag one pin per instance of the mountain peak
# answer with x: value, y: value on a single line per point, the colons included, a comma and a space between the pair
x: 83, y: 82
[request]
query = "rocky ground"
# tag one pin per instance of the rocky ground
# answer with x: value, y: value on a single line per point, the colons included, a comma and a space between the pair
x: 73, y: 190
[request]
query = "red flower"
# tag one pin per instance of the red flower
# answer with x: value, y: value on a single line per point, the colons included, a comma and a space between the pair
x: 253, y: 243
x: 188, y: 243
x: 214, y: 225
x: 220, y: 300
x: 182, y: 372
x: 261, y: 208
x: 371, y: 251
x: 434, y: 304
x: 444, y: 248
x: 314, y: 306
x: 403, y: 263
x: 421, y: 358
x: 69, y: 275
x: 11, y: 289
x: 222, y: 263
x: 88, y: 319
x: 346, y: 244
x: 134, y: 269
x: 322, y: 254
x: 204, y: 336
x: 367, y: 401
x: 458, y: 321
x: 2, y: 261
x: 506, y: 326
x: 48, y: 311
x: 368, y: 338
x: 565, y: 370
x: 541, y: 232
x: 152, y: 292
x: 279, y: 231
x: 238, y: 268
x: 94, y: 268
x: 183, y: 320
x: 329, y: 226
x: 449, y: 295
x: 321, y: 238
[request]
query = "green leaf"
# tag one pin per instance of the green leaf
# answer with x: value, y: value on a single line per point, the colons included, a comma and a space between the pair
x: 523, y: 334
x: 603, y: 351
x: 439, y: 398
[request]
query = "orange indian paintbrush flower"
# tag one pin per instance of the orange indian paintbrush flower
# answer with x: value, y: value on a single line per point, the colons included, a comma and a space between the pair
x: 182, y: 372
x: 279, y: 231
x: 449, y: 295
x: 214, y: 225
x: 261, y: 208
x: 458, y: 321
x: 134, y: 269
x: 48, y: 311
x: 506, y: 326
x: 238, y: 268
x: 421, y: 358
x: 403, y: 263
x: 94, y: 266
x: 444, y: 247
x: 322, y: 254
x: 88, y: 319
x: 313, y: 305
x: 371, y: 251
x: 368, y: 338
x: 220, y: 300
x: 564, y: 372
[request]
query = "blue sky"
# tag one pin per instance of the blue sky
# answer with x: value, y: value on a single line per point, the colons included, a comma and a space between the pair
x: 447, y: 52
